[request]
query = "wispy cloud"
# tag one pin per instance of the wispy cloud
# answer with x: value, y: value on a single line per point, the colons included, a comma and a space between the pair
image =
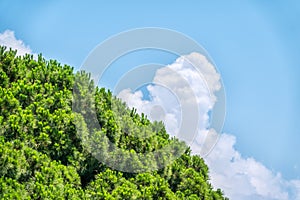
x: 241, y: 178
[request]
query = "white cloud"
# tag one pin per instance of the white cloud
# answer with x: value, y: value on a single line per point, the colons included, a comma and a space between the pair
x: 240, y: 178
x: 183, y: 94
x: 7, y: 38
x: 245, y: 178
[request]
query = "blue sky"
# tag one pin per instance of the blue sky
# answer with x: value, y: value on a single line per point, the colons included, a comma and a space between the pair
x: 255, y: 45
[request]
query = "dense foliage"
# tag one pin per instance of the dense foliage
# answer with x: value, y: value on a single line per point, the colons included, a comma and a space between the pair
x: 43, y: 157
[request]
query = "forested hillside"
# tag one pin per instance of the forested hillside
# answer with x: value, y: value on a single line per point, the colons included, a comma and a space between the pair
x: 41, y: 151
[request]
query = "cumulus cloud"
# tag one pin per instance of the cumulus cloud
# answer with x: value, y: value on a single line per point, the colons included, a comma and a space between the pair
x: 8, y: 39
x: 184, y: 95
x: 245, y: 178
x: 191, y: 82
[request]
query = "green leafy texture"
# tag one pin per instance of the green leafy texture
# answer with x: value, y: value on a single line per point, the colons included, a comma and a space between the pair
x: 46, y: 149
